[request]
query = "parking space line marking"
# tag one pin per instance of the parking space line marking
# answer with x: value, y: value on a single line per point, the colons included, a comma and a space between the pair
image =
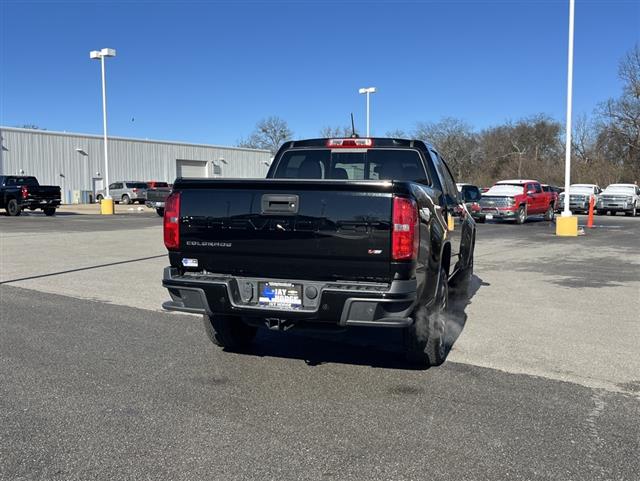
x: 82, y: 269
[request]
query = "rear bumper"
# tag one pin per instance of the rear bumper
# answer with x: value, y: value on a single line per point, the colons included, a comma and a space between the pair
x: 338, y: 304
x: 39, y: 203
x: 155, y: 204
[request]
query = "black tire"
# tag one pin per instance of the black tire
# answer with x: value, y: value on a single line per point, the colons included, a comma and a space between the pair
x: 126, y: 200
x: 463, y: 279
x: 228, y: 331
x: 425, y: 339
x: 481, y: 220
x: 549, y: 215
x: 13, y: 208
x: 160, y: 211
x: 612, y: 212
x: 602, y: 212
x: 49, y: 211
x: 633, y: 212
x: 521, y: 216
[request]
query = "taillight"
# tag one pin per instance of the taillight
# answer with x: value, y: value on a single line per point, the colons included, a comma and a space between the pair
x: 172, y: 221
x: 349, y: 143
x: 24, y: 191
x: 134, y: 189
x: 405, y: 234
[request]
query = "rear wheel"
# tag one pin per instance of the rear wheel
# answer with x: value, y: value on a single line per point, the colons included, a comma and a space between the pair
x: 549, y: 214
x: 228, y: 331
x: 12, y: 208
x: 49, y: 211
x: 612, y: 212
x: 126, y: 199
x: 463, y: 279
x: 521, y: 216
x: 602, y: 212
x: 160, y: 211
x: 425, y: 339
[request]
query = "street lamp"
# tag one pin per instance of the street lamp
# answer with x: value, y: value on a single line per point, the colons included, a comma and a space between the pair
x: 367, y: 90
x: 100, y: 55
x: 567, y: 225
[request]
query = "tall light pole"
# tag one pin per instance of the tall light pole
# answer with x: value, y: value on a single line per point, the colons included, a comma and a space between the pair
x: 566, y: 224
x: 101, y: 54
x: 567, y: 156
x: 367, y: 90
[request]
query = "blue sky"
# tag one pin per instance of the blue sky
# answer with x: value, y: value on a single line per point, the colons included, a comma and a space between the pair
x: 206, y: 72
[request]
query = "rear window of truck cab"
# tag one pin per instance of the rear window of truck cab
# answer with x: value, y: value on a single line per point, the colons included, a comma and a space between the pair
x: 370, y: 164
x: 20, y: 181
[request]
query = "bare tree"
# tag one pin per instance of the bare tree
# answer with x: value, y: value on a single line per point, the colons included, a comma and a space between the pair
x: 336, y: 132
x: 454, y: 139
x: 269, y: 134
x: 398, y: 134
x: 619, y: 136
x: 583, y: 139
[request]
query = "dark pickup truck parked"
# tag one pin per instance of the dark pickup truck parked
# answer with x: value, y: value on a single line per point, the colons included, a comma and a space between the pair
x: 24, y: 192
x: 343, y: 232
x: 156, y: 195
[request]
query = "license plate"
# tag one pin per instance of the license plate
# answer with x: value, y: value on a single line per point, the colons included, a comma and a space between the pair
x: 488, y: 216
x: 280, y: 294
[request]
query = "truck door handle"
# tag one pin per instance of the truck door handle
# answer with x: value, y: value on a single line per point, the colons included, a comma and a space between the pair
x: 281, y: 204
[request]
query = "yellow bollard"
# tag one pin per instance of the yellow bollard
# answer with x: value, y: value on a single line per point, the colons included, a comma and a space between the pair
x: 450, y: 222
x: 106, y: 206
x: 567, y: 226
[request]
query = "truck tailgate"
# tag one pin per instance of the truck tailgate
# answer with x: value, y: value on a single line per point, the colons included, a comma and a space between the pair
x: 44, y: 192
x: 288, y: 228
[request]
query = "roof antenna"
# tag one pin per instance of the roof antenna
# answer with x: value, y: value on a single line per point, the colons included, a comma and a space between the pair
x: 353, y: 128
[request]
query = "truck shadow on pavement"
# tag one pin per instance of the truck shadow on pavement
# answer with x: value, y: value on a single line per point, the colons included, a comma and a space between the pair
x: 374, y: 347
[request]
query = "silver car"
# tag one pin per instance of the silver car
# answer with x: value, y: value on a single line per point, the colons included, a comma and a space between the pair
x: 126, y: 192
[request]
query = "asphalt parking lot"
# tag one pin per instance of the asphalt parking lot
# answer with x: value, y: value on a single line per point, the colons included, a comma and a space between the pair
x: 542, y: 381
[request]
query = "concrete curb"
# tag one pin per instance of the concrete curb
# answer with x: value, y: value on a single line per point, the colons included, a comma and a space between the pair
x: 94, y: 209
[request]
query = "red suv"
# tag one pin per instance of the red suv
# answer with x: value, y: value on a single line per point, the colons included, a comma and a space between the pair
x: 517, y: 200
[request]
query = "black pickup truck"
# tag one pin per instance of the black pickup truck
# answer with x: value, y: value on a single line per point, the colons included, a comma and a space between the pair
x: 343, y: 232
x: 24, y: 192
x: 156, y: 195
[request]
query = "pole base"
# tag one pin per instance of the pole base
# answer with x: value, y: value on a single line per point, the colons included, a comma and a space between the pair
x: 106, y: 207
x: 567, y: 226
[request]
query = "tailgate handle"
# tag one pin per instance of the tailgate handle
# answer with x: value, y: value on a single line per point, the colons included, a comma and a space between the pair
x: 280, y: 204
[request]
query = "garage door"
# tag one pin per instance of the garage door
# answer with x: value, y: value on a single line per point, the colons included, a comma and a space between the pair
x: 191, y: 168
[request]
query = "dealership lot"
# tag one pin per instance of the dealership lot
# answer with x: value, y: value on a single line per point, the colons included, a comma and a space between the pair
x: 541, y: 383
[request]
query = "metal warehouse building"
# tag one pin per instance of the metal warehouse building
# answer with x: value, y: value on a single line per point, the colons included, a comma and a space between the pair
x: 75, y: 162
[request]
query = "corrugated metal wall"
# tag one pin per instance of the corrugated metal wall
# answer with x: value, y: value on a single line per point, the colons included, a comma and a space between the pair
x: 52, y: 157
